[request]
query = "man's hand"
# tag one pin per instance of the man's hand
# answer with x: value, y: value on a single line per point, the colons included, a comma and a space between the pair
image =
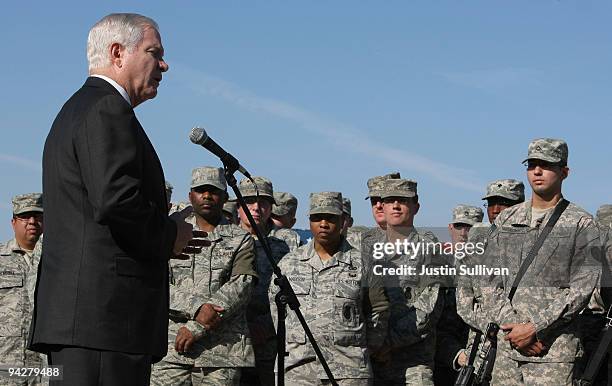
x: 383, y: 354
x: 183, y: 230
x: 536, y: 349
x: 209, y: 315
x: 462, y: 359
x: 520, y: 335
x: 187, y: 239
x: 184, y: 340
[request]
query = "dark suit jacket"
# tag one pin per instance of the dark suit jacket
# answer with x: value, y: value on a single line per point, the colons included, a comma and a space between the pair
x: 103, y: 276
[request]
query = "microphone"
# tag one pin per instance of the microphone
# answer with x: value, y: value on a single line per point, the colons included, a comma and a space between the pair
x: 199, y: 137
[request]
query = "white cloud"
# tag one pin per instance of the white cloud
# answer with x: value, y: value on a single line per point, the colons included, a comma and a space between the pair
x: 339, y: 133
x: 21, y: 161
x: 496, y: 79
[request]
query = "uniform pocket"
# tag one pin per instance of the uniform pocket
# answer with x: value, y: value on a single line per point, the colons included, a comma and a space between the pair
x: 346, y: 305
x: 11, y: 303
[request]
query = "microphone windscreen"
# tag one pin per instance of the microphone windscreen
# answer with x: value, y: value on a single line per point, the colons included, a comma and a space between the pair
x: 198, y: 136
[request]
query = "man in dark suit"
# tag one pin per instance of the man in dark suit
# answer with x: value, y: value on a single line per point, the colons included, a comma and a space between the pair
x: 101, y: 306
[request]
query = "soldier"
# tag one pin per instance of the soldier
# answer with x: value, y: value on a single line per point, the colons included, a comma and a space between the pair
x: 18, y: 268
x: 451, y: 331
x: 348, y: 219
x: 416, y: 302
x: 355, y: 235
x: 230, y: 211
x: 169, y: 189
x: 375, y: 187
x: 283, y: 219
x: 500, y: 194
x: 540, y: 340
x: 208, y: 334
x: 283, y: 211
x: 464, y: 217
x: 592, y: 320
x: 344, y: 308
x: 258, y: 310
x: 604, y: 216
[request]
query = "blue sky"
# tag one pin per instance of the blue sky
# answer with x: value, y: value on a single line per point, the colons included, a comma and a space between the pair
x: 323, y: 95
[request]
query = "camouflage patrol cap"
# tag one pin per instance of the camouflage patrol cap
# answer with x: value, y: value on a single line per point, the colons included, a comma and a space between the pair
x: 604, y: 215
x: 230, y: 207
x: 375, y: 184
x: 208, y: 175
x: 549, y: 150
x: 169, y: 189
x: 399, y: 188
x: 467, y: 214
x: 29, y: 202
x: 264, y: 186
x: 346, y: 205
x: 285, y: 203
x: 511, y: 189
x: 326, y: 202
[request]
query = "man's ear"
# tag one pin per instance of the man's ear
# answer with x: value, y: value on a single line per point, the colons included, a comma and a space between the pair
x: 564, y: 172
x: 417, y: 206
x: 116, y: 54
x: 292, y: 222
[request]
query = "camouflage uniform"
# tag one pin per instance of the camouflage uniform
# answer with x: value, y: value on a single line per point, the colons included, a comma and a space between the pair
x: 344, y: 308
x: 416, y: 306
x: 604, y: 216
x: 18, y: 270
x: 469, y: 297
x: 221, y: 274
x: 451, y: 331
x: 555, y: 288
x: 258, y: 309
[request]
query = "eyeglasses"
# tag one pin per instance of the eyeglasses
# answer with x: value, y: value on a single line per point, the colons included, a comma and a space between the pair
x: 25, y: 217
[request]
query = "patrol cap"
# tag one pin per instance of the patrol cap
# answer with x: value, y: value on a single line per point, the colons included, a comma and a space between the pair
x: 169, y: 189
x: 326, y: 202
x: 285, y: 203
x: 467, y: 214
x: 604, y: 215
x: 29, y: 202
x: 549, y: 150
x: 230, y: 207
x: 264, y: 186
x: 399, y: 188
x: 346, y: 205
x: 507, y: 188
x: 208, y: 175
x: 375, y: 184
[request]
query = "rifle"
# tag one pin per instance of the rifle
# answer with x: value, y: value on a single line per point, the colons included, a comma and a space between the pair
x: 598, y: 357
x: 466, y: 374
x: 469, y: 376
x: 488, y: 352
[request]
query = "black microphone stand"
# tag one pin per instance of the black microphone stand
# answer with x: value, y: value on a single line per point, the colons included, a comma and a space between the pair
x: 286, y: 295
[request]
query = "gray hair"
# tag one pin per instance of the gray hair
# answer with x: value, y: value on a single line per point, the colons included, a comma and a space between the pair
x: 126, y: 29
